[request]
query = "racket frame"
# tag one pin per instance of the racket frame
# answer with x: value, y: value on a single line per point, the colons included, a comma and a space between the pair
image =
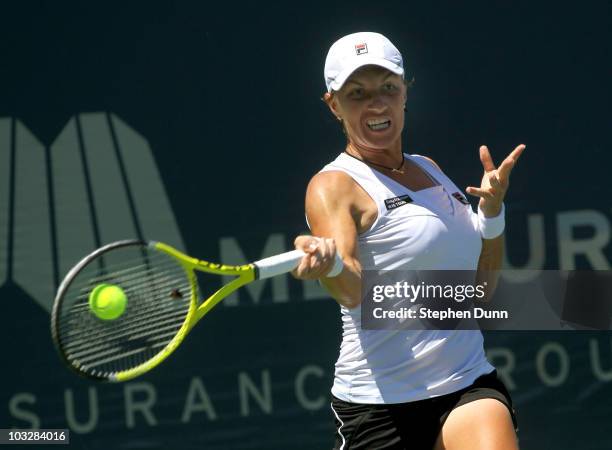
x: 244, y: 274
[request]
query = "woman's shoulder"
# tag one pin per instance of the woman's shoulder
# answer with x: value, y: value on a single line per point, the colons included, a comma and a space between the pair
x: 331, y: 182
x: 426, y: 158
x: 335, y: 176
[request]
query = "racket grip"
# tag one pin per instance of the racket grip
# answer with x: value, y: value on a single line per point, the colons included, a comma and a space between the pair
x: 286, y: 262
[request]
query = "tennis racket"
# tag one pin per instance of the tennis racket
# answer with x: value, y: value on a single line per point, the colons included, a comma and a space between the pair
x: 161, y: 289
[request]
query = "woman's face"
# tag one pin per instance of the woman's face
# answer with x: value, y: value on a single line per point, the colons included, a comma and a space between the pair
x: 371, y: 105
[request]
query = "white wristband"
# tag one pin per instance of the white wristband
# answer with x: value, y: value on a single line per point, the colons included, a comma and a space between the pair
x: 491, y: 227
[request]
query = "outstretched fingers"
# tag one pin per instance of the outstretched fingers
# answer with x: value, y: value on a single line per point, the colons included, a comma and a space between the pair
x: 508, y: 164
x: 486, y: 159
x: 479, y: 192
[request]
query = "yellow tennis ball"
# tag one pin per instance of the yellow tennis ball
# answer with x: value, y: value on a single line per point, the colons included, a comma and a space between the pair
x: 107, y: 301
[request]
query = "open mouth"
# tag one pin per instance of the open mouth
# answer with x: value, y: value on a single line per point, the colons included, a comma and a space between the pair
x: 378, y: 124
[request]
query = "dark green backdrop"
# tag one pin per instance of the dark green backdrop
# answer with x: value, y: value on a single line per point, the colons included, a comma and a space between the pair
x: 225, y: 98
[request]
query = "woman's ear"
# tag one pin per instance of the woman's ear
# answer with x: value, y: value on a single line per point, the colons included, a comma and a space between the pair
x: 332, y: 104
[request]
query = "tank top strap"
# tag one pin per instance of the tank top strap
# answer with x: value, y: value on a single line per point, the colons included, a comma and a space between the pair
x: 434, y: 171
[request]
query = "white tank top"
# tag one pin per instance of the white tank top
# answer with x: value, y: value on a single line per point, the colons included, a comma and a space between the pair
x: 437, y: 230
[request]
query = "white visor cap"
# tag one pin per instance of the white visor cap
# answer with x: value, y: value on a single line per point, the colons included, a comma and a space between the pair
x: 356, y: 50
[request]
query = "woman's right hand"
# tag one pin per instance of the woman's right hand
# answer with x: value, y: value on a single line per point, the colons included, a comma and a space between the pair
x: 319, y: 259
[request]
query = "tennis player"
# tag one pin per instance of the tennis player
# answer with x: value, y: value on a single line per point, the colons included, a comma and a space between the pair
x: 401, y: 389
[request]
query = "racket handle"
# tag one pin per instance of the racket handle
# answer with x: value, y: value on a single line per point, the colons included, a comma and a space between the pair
x: 286, y: 262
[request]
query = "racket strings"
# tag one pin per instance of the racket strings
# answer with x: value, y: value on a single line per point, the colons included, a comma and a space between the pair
x: 123, y: 345
x: 138, y: 321
x: 137, y: 324
x: 148, y: 317
x: 136, y: 285
x: 127, y: 271
x: 123, y: 340
x: 82, y: 302
x: 82, y: 346
x: 145, y: 336
x: 159, y: 294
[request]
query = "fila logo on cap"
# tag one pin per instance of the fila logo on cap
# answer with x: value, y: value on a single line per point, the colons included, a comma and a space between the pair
x: 360, y: 49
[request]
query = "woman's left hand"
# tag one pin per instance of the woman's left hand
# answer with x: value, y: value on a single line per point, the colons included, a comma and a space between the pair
x: 495, y: 181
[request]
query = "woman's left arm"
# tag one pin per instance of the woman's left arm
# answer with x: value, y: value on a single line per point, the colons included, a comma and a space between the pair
x: 489, y: 264
x: 492, y: 190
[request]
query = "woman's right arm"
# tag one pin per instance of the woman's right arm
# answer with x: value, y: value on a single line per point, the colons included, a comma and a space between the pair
x: 333, y: 217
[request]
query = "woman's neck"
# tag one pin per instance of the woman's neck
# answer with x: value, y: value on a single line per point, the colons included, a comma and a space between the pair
x: 391, y: 158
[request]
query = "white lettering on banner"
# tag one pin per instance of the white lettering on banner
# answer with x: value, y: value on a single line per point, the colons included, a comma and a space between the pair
x: 32, y: 256
x: 23, y: 407
x: 93, y: 415
x: 591, y: 248
x: 505, y: 367
x: 21, y: 414
x: 595, y: 358
x: 536, y: 252
x: 197, y: 400
x: 309, y: 404
x: 263, y: 396
x: 552, y: 348
x: 143, y: 406
x: 6, y: 126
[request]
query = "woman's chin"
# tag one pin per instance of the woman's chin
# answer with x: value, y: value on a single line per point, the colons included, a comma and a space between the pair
x: 380, y: 143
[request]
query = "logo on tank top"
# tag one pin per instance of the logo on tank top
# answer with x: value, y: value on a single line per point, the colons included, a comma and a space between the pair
x: 396, y: 202
x: 460, y: 198
x: 360, y: 49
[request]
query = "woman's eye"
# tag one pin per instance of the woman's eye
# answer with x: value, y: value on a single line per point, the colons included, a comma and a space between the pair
x: 389, y: 87
x: 357, y: 92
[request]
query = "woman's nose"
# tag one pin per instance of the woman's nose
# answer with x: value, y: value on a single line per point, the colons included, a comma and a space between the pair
x: 377, y: 105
